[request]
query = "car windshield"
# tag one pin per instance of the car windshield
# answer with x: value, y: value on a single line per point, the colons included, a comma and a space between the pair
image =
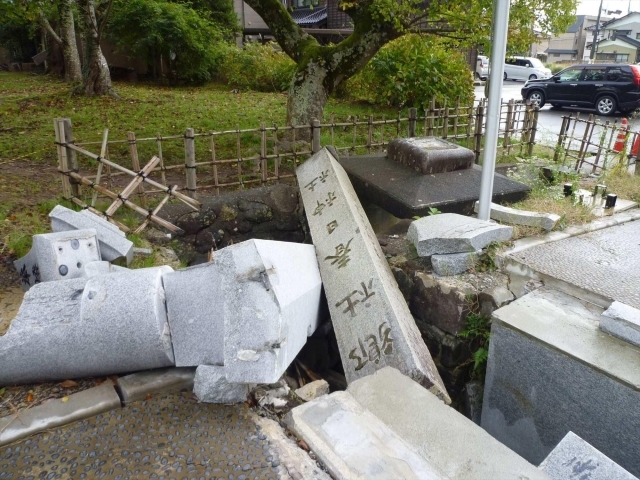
x: 536, y: 63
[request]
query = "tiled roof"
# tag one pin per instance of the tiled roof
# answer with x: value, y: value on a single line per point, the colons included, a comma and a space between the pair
x: 560, y: 50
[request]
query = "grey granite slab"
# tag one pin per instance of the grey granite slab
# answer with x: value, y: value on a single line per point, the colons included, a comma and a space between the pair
x: 354, y: 444
x: 453, y: 263
x: 373, y: 325
x: 88, y: 327
x: 514, y: 216
x: 428, y: 155
x: 138, y: 385
x: 58, y: 256
x: 622, y: 321
x: 212, y: 386
x: 552, y: 370
x: 113, y: 243
x: 574, y: 458
x: 452, y: 233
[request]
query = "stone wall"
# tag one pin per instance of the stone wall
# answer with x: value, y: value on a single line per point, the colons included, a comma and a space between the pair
x: 269, y: 213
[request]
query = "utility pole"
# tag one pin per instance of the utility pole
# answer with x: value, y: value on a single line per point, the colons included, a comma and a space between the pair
x: 594, y: 46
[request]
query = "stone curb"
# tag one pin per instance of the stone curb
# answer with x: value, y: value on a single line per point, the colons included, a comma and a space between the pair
x: 138, y: 385
x: 572, y: 231
x: 56, y: 413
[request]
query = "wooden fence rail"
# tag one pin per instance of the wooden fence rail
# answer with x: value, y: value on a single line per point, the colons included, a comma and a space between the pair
x: 241, y: 158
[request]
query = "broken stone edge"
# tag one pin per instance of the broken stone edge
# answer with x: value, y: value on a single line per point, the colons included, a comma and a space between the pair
x: 137, y: 386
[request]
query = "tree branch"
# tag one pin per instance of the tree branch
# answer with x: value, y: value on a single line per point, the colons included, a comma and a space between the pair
x: 104, y: 20
x: 287, y: 33
x: 45, y: 23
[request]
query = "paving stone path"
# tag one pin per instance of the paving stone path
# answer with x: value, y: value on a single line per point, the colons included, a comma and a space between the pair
x: 606, y: 261
x: 167, y: 437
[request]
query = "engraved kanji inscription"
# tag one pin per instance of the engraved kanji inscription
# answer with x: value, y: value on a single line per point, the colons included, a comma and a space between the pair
x: 373, y: 347
x: 319, y: 208
x: 342, y: 255
x: 331, y: 226
x: 352, y: 302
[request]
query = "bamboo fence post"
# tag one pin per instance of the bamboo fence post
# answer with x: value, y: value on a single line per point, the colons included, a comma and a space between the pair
x: 133, y: 148
x: 560, y: 144
x: 413, y: 114
x: 72, y: 159
x: 585, y: 137
x: 534, y: 129
x: 355, y: 133
x: 162, y: 169
x: 275, y: 151
x: 478, y: 132
x: 455, y: 119
x: 506, y: 146
x: 216, y: 182
x: 123, y: 196
x: 469, y: 123
x: 263, y: 152
x: 103, y: 152
x: 430, y: 117
x: 445, y: 120
x: 63, y: 166
x: 384, y: 124
x: 369, y: 133
x: 333, y: 121
x: 315, y: 136
x: 190, y: 162
x: 239, y: 154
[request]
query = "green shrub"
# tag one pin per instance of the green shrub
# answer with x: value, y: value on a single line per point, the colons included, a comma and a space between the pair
x: 555, y: 67
x: 257, y: 67
x: 171, y: 34
x: 412, y: 70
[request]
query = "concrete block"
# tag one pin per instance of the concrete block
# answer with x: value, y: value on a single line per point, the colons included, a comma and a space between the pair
x: 452, y: 233
x: 494, y: 298
x: 55, y: 413
x: 138, y: 385
x: 88, y: 327
x: 514, y: 216
x: 271, y: 305
x: 622, y: 321
x: 353, y: 444
x: 371, y: 319
x: 453, y: 263
x: 447, y: 440
x: 113, y: 243
x: 313, y: 390
x: 551, y: 370
x: 93, y: 269
x: 575, y: 458
x: 57, y: 256
x: 212, y: 386
x: 429, y: 155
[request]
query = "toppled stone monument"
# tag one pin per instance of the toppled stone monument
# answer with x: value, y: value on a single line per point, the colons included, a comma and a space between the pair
x: 83, y: 327
x: 57, y: 256
x: 373, y: 325
x: 113, y: 243
x: 514, y: 216
x: 428, y: 155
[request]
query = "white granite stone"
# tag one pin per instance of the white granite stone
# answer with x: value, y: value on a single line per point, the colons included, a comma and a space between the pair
x: 211, y: 386
x: 453, y: 263
x: 113, y: 243
x: 452, y: 233
x: 58, y: 256
x: 103, y: 267
x: 373, y: 325
x: 313, y: 390
x: 88, y: 327
x: 622, y: 321
x: 574, y: 458
x: 271, y: 294
x: 522, y: 217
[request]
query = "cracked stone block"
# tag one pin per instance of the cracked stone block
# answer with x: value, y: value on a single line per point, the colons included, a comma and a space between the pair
x: 138, y: 385
x: 514, y: 216
x: 494, y: 298
x: 88, y: 327
x: 453, y: 263
x: 211, y: 386
x: 58, y: 256
x: 575, y: 458
x: 429, y: 155
x: 93, y: 269
x: 622, y: 321
x: 113, y: 243
x: 452, y: 233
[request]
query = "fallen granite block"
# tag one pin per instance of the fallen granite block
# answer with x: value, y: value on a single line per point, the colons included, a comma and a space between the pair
x: 313, y: 390
x: 113, y: 243
x: 622, y: 321
x: 271, y: 293
x: 522, y: 217
x: 57, y: 412
x: 353, y: 444
x: 373, y: 325
x: 88, y: 327
x: 453, y: 263
x: 211, y: 386
x: 138, y: 385
x: 452, y: 233
x: 426, y: 425
x: 575, y: 458
x: 58, y: 256
x: 429, y: 155
x: 103, y: 267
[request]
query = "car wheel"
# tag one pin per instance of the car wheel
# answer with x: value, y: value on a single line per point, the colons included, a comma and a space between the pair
x: 536, y: 97
x: 606, y: 105
x: 505, y: 75
x: 532, y: 77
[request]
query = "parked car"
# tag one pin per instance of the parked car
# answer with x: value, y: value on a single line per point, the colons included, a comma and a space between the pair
x: 525, y: 68
x: 605, y: 87
x: 482, y: 67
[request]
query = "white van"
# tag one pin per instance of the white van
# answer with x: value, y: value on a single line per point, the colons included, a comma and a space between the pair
x: 525, y: 68
x: 482, y: 67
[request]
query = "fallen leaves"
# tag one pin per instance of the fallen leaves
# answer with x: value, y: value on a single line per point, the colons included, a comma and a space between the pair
x: 30, y: 397
x: 68, y: 384
x: 64, y: 399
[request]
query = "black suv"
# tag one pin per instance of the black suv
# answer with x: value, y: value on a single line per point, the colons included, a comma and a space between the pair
x: 607, y: 87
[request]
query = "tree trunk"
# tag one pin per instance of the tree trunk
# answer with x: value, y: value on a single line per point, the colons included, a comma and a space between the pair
x: 72, y: 69
x: 307, y: 97
x: 96, y: 79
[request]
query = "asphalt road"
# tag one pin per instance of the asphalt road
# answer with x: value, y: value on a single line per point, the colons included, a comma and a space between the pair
x: 550, y: 119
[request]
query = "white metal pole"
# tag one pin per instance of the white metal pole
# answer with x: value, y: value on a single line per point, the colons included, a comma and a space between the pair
x: 498, y: 52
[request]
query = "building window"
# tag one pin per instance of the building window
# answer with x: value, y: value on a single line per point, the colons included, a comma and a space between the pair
x: 637, y: 36
x: 556, y: 54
